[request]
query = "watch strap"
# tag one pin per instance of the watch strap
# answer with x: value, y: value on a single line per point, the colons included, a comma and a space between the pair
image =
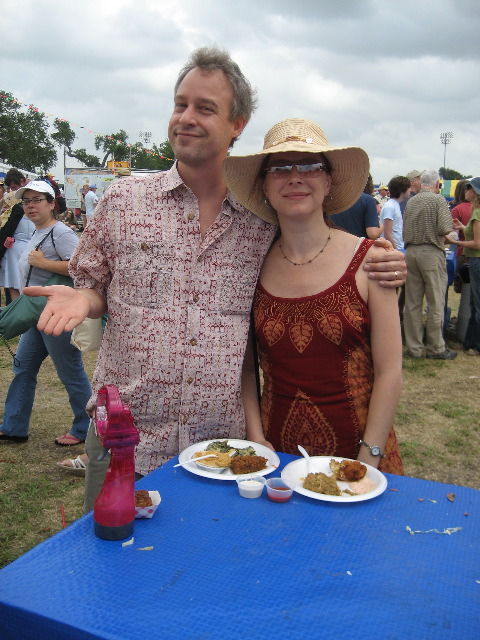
x: 374, y: 449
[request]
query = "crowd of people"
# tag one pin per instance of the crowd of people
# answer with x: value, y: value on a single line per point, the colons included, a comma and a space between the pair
x: 214, y: 237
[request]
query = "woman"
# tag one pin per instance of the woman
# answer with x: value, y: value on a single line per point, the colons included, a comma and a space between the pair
x: 47, y: 252
x: 329, y: 338
x: 461, y: 210
x: 70, y: 220
x: 471, y: 250
x: 14, y: 245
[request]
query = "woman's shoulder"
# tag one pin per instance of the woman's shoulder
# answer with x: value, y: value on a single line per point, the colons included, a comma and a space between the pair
x: 60, y: 231
x: 60, y: 227
x: 373, y: 250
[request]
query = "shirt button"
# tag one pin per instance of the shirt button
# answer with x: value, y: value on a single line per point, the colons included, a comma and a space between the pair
x: 193, y: 342
x: 196, y: 297
x: 184, y: 419
x: 191, y: 216
x: 189, y: 380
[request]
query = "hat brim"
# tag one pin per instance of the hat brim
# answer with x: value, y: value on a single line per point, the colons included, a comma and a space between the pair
x: 35, y: 185
x: 474, y: 184
x: 350, y: 167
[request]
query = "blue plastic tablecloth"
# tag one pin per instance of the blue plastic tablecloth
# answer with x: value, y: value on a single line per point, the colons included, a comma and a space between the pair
x: 224, y: 567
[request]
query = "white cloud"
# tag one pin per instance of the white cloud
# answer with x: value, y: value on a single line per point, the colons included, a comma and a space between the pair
x: 386, y: 75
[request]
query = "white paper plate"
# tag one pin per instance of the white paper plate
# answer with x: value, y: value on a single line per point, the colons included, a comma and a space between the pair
x: 260, y: 450
x: 294, y: 473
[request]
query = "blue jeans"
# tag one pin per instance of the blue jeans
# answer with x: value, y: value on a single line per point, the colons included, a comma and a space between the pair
x: 34, y: 346
x: 472, y: 334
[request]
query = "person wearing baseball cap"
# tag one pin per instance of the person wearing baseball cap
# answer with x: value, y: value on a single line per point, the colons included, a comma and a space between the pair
x: 382, y: 197
x: 320, y: 323
x: 47, y: 252
x: 91, y: 201
x: 415, y: 186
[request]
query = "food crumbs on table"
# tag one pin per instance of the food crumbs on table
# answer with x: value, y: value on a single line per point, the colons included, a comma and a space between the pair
x: 451, y: 497
x: 466, y: 513
x: 128, y: 542
x: 393, y: 489
x: 421, y: 499
x: 349, y: 573
x: 144, y: 548
x: 448, y: 531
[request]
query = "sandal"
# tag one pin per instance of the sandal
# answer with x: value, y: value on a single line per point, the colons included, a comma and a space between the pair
x: 75, y: 465
x: 68, y: 440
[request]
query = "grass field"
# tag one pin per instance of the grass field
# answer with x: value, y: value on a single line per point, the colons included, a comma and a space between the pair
x: 437, y: 423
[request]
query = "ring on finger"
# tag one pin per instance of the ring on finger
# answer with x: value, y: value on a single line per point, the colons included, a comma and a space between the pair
x: 396, y: 275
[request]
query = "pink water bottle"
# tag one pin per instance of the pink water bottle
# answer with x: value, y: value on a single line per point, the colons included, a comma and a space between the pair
x: 114, y: 508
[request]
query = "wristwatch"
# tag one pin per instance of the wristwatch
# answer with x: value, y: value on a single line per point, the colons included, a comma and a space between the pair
x: 374, y: 450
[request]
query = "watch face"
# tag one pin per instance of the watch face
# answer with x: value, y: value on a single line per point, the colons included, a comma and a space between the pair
x: 375, y: 451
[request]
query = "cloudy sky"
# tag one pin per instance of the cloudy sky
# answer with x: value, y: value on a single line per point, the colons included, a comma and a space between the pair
x: 387, y: 75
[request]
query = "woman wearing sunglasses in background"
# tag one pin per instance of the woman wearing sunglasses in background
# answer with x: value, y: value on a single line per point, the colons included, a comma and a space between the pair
x: 329, y: 338
x: 48, y: 252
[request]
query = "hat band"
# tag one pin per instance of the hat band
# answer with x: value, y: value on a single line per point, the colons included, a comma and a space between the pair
x: 290, y: 139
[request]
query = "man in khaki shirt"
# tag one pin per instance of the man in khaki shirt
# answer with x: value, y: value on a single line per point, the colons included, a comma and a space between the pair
x: 426, y: 221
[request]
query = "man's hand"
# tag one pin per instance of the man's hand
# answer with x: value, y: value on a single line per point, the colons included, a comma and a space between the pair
x: 65, y: 308
x: 389, y: 269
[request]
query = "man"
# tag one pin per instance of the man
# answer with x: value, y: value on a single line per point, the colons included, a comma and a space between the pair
x: 426, y: 221
x: 382, y: 197
x: 85, y: 189
x: 177, y: 258
x: 361, y: 219
x: 14, y: 180
x: 390, y: 215
x: 91, y: 202
x: 414, y: 177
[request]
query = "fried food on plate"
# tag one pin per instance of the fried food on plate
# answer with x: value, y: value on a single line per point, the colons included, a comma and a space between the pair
x: 348, y: 470
x: 247, y: 464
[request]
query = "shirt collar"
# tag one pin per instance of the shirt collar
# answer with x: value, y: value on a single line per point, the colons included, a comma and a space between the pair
x: 231, y: 206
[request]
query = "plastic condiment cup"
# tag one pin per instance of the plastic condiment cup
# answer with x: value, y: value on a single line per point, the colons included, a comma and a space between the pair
x: 251, y: 487
x: 278, y: 491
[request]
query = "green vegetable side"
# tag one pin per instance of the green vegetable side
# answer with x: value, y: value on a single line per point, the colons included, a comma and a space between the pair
x: 223, y: 447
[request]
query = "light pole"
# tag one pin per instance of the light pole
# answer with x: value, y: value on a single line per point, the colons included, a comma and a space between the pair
x: 146, y: 135
x: 445, y: 138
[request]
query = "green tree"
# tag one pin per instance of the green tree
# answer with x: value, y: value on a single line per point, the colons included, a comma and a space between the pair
x: 64, y: 136
x: 159, y: 158
x: 451, y: 174
x: 115, y: 147
x: 24, y: 138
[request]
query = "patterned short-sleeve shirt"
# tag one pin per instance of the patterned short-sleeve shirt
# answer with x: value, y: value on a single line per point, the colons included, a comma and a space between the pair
x: 178, y: 309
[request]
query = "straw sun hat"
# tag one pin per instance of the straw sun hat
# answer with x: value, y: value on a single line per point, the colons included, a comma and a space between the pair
x: 350, y: 166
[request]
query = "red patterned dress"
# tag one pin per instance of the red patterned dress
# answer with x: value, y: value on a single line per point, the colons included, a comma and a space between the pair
x: 318, y: 372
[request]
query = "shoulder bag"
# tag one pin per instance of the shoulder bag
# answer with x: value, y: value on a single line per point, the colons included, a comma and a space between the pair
x: 23, y: 312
